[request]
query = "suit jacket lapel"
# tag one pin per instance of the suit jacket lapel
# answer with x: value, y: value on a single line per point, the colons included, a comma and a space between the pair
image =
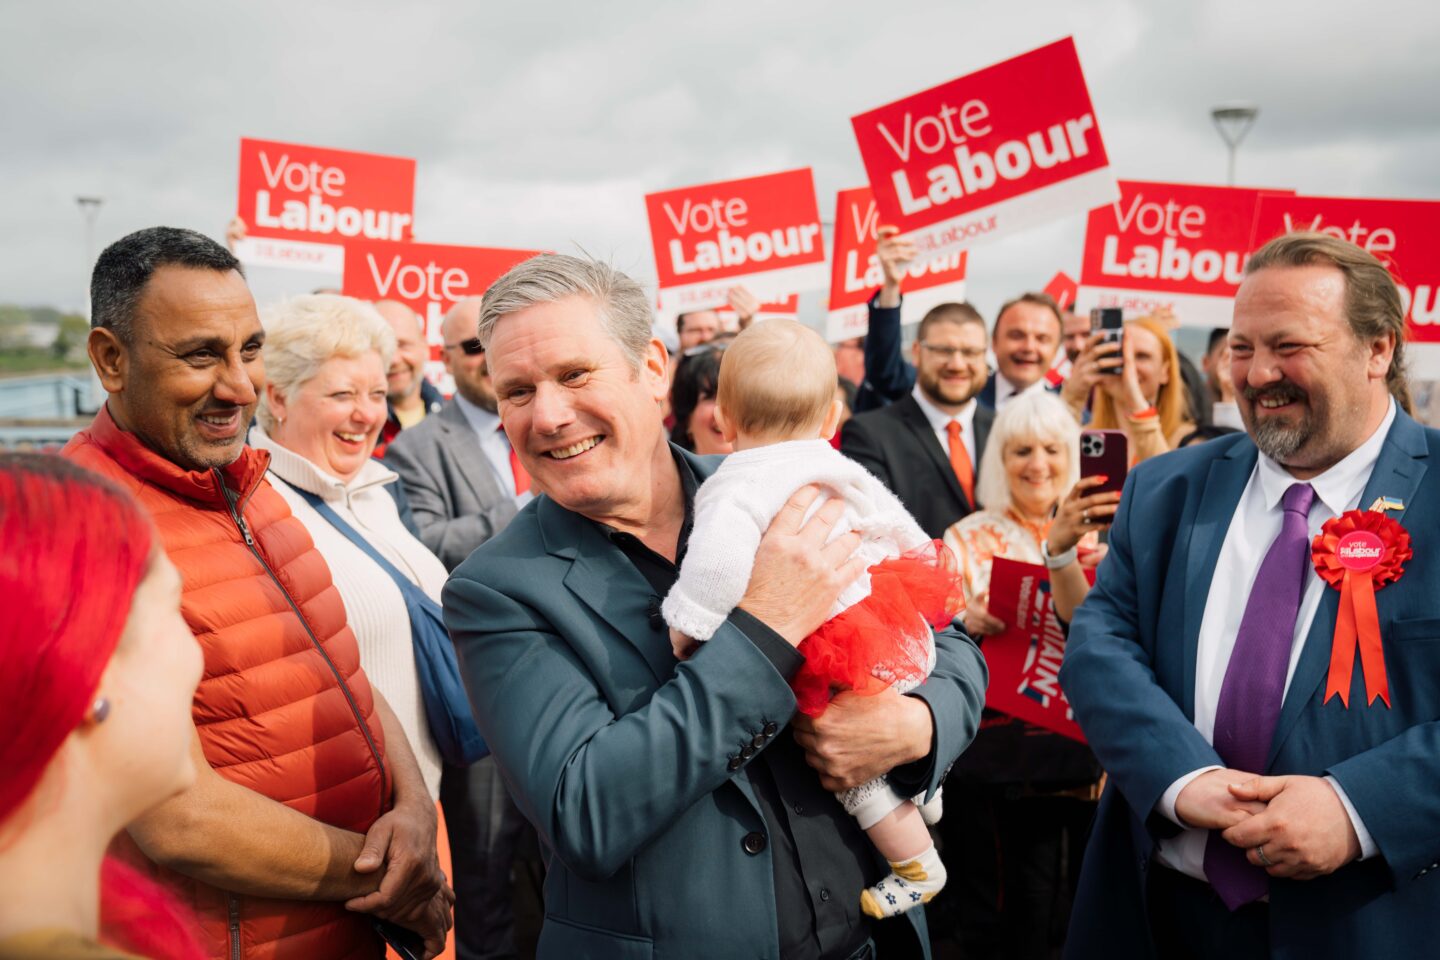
x: 464, y: 446
x: 604, y: 579
x: 1223, y: 488
x: 1397, y: 474
x: 914, y: 418
x: 984, y: 419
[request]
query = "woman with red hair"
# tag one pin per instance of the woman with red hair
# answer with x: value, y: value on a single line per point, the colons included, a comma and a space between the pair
x: 99, y: 671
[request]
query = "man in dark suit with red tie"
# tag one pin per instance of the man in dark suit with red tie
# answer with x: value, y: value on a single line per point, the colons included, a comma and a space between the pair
x: 926, y: 447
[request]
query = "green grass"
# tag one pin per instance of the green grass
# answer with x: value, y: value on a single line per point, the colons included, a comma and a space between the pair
x: 37, y: 361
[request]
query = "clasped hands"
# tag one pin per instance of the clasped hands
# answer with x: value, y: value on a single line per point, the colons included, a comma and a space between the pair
x: 1298, y: 821
x: 413, y: 892
x: 796, y: 579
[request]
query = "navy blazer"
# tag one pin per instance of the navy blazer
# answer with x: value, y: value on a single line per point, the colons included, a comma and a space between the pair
x: 1129, y: 673
x: 622, y: 757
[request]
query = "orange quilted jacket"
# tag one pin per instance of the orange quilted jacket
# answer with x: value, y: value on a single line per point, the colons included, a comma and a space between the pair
x: 283, y: 708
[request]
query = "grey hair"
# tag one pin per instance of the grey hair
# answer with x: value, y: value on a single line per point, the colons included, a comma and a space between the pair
x: 302, y: 333
x: 1035, y: 413
x: 621, y: 301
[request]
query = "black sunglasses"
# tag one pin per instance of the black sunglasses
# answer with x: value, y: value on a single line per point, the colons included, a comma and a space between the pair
x: 472, y: 347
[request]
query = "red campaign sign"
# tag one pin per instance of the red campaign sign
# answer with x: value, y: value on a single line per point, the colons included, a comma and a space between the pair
x: 315, y: 194
x: 1024, y: 661
x: 1062, y: 288
x: 855, y: 271
x: 427, y: 277
x: 987, y: 154
x: 1403, y: 234
x: 789, y: 308
x: 759, y: 232
x: 1174, y: 246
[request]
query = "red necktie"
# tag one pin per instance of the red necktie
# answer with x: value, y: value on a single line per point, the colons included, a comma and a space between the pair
x: 517, y: 469
x: 960, y: 461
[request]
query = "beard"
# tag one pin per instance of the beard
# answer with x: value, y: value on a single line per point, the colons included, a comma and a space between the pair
x: 1279, y: 438
x: 940, y: 392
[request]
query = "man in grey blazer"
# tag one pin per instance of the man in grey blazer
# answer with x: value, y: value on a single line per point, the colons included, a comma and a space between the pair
x: 458, y: 476
x: 456, y: 466
x: 686, y: 811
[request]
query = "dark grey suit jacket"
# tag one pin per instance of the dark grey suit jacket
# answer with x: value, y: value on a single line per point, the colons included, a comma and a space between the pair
x: 632, y: 765
x: 457, y: 500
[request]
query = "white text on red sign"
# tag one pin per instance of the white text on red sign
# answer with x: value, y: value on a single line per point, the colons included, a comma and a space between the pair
x: 315, y: 214
x: 731, y: 249
x: 1171, y: 260
x: 978, y: 171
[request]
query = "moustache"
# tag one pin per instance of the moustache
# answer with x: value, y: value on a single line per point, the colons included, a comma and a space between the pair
x: 1284, y: 391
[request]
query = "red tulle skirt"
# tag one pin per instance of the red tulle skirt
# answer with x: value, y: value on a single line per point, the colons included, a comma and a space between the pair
x: 885, y: 638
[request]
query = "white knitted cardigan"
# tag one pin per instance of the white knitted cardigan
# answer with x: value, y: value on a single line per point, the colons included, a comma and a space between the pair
x: 373, y: 603
x: 735, y: 506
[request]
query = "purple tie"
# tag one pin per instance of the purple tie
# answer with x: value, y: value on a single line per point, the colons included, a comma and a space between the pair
x: 1254, y: 684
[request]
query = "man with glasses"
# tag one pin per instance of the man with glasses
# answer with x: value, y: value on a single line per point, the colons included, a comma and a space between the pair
x: 464, y: 484
x: 926, y: 446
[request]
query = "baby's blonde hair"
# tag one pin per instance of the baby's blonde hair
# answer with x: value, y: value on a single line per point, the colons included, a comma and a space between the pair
x: 777, y: 378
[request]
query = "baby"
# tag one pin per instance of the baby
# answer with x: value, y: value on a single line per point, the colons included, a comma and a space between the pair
x: 776, y: 403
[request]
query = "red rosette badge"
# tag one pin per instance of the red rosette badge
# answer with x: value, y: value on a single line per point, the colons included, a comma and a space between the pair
x: 1357, y: 553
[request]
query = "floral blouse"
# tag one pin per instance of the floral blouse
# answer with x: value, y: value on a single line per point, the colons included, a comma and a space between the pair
x: 981, y: 537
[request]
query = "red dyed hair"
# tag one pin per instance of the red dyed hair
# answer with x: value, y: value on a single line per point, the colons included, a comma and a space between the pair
x: 73, y: 549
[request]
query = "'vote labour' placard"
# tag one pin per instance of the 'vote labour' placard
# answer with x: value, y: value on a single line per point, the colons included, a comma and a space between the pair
x: 427, y: 277
x: 1403, y: 234
x: 856, y: 274
x: 760, y: 232
x: 993, y: 152
x: 1174, y: 246
x: 316, y: 195
x: 1024, y: 661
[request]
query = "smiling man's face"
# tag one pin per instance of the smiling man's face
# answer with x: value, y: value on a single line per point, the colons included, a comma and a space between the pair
x: 1308, y: 390
x: 585, y: 422
x: 192, y: 375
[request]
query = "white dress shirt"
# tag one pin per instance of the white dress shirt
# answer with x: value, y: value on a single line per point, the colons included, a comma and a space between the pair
x: 493, y: 442
x: 939, y: 421
x: 1253, y: 527
x: 1005, y: 391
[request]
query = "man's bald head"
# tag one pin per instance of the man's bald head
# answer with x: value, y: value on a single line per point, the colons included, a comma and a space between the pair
x: 462, y: 322
x: 463, y: 356
x: 408, y: 366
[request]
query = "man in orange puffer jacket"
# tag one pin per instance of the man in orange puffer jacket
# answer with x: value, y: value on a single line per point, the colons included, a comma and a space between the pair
x: 309, y: 820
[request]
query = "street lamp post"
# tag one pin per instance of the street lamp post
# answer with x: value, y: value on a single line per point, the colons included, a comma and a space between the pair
x: 1234, y: 120
x: 90, y: 210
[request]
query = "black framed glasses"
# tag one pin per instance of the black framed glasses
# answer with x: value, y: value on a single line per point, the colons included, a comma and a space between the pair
x: 472, y: 347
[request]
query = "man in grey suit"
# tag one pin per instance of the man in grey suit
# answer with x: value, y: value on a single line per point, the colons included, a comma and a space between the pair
x: 456, y: 466
x: 457, y: 471
x: 686, y: 810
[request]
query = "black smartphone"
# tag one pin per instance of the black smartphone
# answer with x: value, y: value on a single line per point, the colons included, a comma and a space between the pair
x: 408, y: 944
x: 1111, y: 322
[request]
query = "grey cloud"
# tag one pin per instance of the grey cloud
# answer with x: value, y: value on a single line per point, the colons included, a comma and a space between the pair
x: 542, y: 125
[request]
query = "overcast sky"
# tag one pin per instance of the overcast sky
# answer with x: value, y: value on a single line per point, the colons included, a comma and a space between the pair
x: 543, y: 124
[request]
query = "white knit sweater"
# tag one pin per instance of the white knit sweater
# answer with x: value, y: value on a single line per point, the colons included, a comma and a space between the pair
x: 373, y: 603
x: 735, y: 506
